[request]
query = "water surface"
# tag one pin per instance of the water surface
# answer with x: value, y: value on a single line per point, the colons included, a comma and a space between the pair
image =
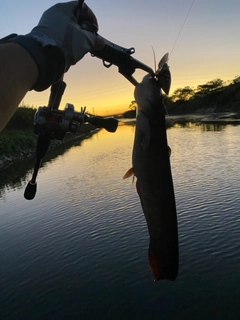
x: 79, y: 249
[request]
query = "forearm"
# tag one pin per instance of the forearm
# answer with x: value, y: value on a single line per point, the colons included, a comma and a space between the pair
x: 18, y: 73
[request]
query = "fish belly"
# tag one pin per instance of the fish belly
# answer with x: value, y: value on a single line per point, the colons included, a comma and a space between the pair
x: 155, y: 187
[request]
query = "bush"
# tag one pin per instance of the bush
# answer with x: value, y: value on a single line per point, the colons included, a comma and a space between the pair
x: 14, y: 142
x: 129, y: 114
x: 22, y: 119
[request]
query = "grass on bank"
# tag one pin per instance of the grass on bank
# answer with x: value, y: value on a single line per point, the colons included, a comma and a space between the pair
x: 15, y: 141
x: 18, y: 135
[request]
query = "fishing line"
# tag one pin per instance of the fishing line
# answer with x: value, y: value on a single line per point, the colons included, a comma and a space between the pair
x: 190, y: 9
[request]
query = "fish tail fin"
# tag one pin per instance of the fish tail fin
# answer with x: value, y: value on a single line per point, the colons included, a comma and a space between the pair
x: 161, y: 268
x: 153, y: 265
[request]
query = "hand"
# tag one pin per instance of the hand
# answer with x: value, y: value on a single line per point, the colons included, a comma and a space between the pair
x: 58, y: 27
x: 58, y: 42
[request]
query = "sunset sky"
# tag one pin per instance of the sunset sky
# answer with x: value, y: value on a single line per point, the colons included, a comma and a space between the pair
x: 202, y: 37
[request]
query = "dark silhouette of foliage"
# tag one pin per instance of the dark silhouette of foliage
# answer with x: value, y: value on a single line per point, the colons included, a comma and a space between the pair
x: 214, y: 96
x: 22, y: 119
x: 209, y: 86
x: 183, y: 94
x: 133, y: 105
x: 18, y: 135
x: 130, y: 114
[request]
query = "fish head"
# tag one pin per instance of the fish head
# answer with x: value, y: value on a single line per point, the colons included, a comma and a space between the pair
x: 147, y: 94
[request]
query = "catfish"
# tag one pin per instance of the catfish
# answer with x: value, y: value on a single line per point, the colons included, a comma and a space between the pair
x: 151, y: 166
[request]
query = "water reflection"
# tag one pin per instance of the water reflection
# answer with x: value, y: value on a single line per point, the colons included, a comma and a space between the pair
x: 15, y: 177
x: 203, y: 125
x: 207, y: 126
x: 12, y: 178
x: 84, y: 237
x: 193, y: 122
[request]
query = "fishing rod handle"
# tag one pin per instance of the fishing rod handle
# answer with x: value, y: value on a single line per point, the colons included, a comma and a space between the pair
x: 109, y: 124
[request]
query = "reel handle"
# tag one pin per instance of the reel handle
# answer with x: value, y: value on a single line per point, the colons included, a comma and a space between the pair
x: 42, y: 147
x: 109, y: 124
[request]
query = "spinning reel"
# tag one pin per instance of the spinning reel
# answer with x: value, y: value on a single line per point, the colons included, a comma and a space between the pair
x: 52, y: 124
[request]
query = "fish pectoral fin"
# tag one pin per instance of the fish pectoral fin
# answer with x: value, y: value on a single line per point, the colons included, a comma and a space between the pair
x: 129, y: 173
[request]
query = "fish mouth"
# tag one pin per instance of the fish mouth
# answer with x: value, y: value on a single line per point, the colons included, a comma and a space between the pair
x: 163, y: 74
x: 164, y: 79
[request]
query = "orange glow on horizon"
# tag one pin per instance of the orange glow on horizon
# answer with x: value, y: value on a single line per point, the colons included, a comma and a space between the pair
x: 115, y: 102
x: 105, y: 92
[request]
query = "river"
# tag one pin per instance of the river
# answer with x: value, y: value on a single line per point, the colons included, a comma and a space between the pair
x: 79, y: 249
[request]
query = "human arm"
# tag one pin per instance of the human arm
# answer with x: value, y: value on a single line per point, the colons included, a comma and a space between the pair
x: 59, y: 41
x: 37, y: 60
x: 18, y: 73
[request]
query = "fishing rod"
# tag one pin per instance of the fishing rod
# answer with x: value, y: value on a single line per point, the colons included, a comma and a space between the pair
x: 50, y: 123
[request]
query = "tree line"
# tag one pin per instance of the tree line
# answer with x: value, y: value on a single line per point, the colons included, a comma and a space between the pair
x: 215, y: 93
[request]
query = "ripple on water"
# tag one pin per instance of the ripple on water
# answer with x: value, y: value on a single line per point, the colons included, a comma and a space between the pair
x: 81, y: 246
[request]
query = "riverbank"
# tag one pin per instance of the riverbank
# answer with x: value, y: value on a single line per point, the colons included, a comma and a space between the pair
x: 17, y: 146
x: 208, y: 116
x: 26, y: 148
x: 204, y: 117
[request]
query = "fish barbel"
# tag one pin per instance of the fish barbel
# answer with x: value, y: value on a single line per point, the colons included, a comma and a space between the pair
x: 151, y: 166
